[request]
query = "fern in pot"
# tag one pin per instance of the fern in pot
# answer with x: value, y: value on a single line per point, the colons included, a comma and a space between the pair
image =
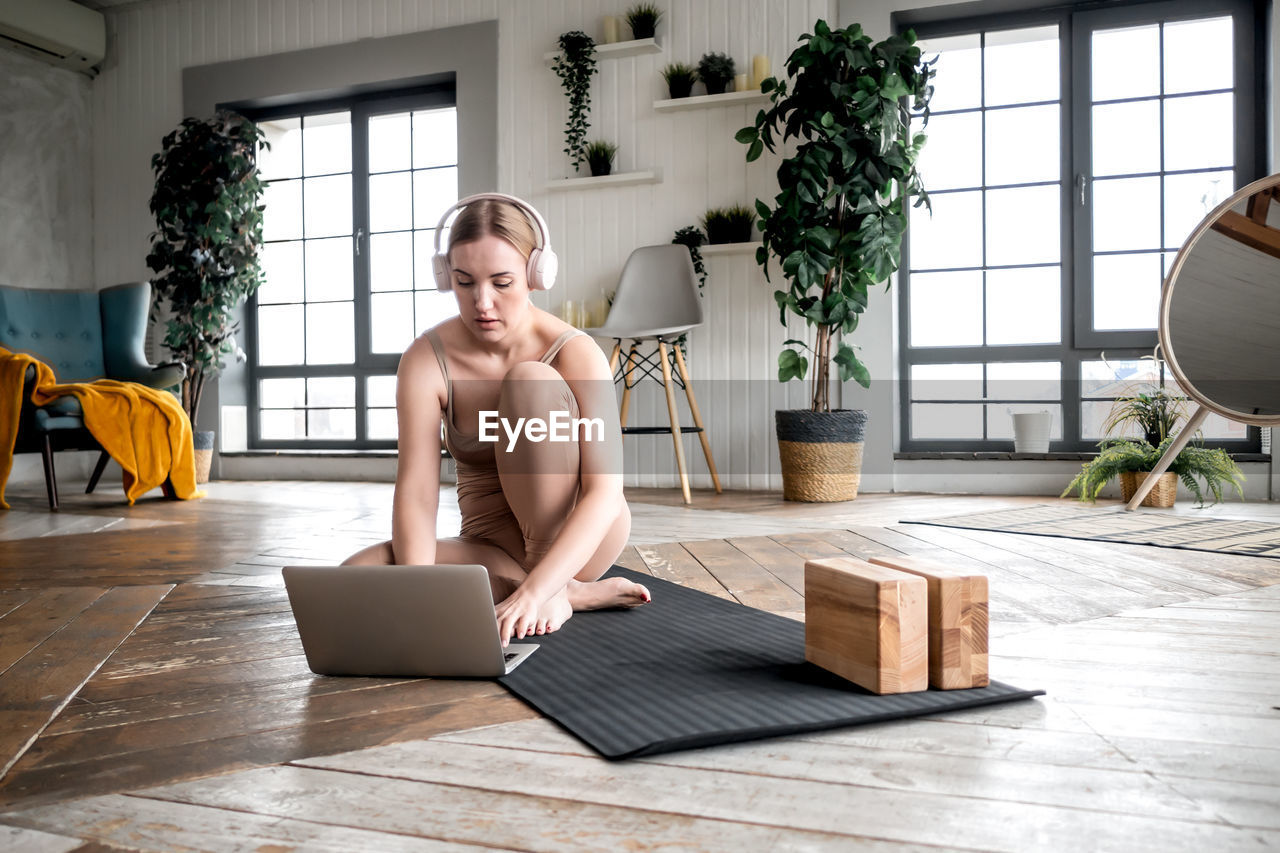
x: 835, y: 228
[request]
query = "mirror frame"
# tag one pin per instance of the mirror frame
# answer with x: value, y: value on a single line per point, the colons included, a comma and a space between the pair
x: 1166, y: 293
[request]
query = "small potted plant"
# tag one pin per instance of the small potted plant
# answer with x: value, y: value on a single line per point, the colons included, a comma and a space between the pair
x: 1155, y: 413
x: 729, y: 224
x: 600, y: 156
x: 715, y: 70
x: 574, y: 65
x: 680, y: 77
x: 643, y: 19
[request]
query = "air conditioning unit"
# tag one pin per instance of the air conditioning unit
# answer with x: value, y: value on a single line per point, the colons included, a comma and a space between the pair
x: 57, y: 31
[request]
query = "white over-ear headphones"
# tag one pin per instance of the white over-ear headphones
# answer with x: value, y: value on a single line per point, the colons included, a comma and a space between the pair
x: 543, y: 263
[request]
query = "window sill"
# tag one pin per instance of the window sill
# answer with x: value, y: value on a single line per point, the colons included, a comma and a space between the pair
x: 314, y: 453
x: 1056, y: 456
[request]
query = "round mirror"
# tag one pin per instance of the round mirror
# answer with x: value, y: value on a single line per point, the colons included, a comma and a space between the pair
x: 1220, y: 308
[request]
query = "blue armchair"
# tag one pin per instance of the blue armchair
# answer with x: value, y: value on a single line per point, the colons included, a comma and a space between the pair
x: 83, y: 335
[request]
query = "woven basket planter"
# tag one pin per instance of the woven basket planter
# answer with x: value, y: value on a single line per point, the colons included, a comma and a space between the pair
x: 1163, y: 494
x: 202, y: 443
x: 821, y: 453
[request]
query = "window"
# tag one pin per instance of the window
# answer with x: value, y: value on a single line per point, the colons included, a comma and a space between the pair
x: 354, y: 189
x: 1069, y: 155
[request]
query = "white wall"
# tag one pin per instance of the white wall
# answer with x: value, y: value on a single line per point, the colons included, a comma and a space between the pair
x: 137, y: 100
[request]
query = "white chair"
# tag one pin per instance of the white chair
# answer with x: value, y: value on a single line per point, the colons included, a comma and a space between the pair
x: 657, y: 300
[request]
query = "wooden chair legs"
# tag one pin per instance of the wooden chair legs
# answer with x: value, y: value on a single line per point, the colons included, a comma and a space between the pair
x: 697, y: 417
x: 675, y: 421
x: 624, y: 409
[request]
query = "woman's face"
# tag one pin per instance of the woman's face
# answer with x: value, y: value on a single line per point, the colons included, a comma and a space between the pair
x: 491, y: 286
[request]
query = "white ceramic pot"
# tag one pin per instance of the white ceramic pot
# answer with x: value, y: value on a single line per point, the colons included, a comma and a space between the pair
x: 1031, y: 432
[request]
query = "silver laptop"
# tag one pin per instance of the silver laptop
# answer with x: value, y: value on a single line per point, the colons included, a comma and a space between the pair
x: 399, y: 621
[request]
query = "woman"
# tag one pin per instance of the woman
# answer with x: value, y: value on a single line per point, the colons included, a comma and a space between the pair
x: 546, y: 518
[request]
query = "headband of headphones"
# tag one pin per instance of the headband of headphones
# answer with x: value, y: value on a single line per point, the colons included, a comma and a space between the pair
x: 543, y: 263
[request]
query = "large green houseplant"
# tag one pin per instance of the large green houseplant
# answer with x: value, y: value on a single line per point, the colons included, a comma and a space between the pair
x: 204, y: 251
x: 1155, y: 414
x: 836, y: 224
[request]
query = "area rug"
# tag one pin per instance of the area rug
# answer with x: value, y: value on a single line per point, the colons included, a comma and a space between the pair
x: 690, y: 670
x: 1228, y: 536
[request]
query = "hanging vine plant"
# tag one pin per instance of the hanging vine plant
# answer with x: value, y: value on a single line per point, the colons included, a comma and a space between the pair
x: 574, y: 65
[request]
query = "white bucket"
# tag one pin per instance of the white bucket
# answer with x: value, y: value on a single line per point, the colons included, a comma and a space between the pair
x: 1031, y: 432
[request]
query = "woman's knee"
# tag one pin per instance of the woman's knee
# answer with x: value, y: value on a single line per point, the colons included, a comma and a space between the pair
x: 534, y: 388
x: 375, y: 555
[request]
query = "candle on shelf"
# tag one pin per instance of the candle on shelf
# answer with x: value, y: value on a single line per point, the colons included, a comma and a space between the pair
x: 740, y: 82
x: 610, y: 29
x: 759, y: 70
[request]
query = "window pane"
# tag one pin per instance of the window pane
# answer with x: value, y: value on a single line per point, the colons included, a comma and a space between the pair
x: 280, y: 334
x: 331, y: 423
x: 952, y: 157
x: 391, y: 262
x: 328, y: 206
x: 435, y: 138
x: 1024, y: 306
x: 434, y: 190
x: 326, y: 144
x: 1126, y: 214
x: 1126, y: 62
x: 946, y: 420
x: 329, y: 270
x: 946, y: 309
x: 1022, y: 66
x: 958, y: 82
x: 1115, y: 378
x: 951, y: 236
x: 431, y: 307
x: 331, y: 391
x: 389, y: 143
x: 1126, y: 138
x: 1126, y: 291
x: 391, y: 202
x: 1209, y: 41
x: 282, y: 264
x: 423, y: 251
x: 1023, y: 145
x: 282, y: 425
x: 391, y: 315
x: 380, y: 391
x: 1000, y: 419
x: 1022, y: 225
x: 1024, y: 380
x: 946, y: 382
x: 330, y: 333
x: 381, y: 424
x: 1188, y: 199
x: 282, y: 210
x: 284, y: 159
x: 1198, y: 132
x: 282, y: 393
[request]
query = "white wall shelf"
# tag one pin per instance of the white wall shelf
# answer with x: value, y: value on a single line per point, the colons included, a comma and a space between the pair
x: 729, y: 248
x: 622, y: 179
x: 617, y: 50
x: 699, y: 102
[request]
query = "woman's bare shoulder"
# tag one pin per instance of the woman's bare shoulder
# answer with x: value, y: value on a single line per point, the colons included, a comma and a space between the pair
x: 581, y: 356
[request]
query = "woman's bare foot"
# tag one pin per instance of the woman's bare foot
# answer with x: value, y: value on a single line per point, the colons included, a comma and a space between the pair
x: 553, y: 613
x: 603, y: 594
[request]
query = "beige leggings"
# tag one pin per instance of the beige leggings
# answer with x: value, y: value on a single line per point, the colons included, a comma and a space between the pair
x: 513, y: 511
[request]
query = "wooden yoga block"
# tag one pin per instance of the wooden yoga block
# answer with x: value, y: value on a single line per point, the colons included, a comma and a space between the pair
x: 957, y: 622
x: 868, y: 624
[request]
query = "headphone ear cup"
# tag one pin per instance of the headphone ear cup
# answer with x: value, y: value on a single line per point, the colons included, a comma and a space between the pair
x: 533, y: 270
x: 547, y: 266
x: 440, y: 269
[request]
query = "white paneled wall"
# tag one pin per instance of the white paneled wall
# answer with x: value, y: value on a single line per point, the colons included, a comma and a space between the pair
x: 137, y: 100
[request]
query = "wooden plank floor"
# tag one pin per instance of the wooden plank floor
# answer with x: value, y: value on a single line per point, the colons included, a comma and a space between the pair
x: 153, y: 694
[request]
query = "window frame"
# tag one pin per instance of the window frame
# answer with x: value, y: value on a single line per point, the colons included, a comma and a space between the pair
x: 1075, y: 22
x: 366, y: 363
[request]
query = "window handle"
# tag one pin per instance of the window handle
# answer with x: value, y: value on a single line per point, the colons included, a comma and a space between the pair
x: 359, y: 236
x: 1081, y: 183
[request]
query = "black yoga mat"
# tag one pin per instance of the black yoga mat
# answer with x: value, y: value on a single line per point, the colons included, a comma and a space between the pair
x: 690, y: 670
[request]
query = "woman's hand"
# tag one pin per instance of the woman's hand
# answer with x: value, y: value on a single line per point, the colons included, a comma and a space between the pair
x: 518, y: 616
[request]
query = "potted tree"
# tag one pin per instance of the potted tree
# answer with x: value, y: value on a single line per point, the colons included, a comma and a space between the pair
x: 1154, y: 413
x: 836, y: 225
x: 204, y: 251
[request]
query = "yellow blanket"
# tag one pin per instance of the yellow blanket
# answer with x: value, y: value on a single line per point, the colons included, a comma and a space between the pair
x: 144, y: 429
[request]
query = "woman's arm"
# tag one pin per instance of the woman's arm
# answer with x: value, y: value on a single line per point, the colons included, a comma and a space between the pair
x: 600, y: 497
x: 419, y: 390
